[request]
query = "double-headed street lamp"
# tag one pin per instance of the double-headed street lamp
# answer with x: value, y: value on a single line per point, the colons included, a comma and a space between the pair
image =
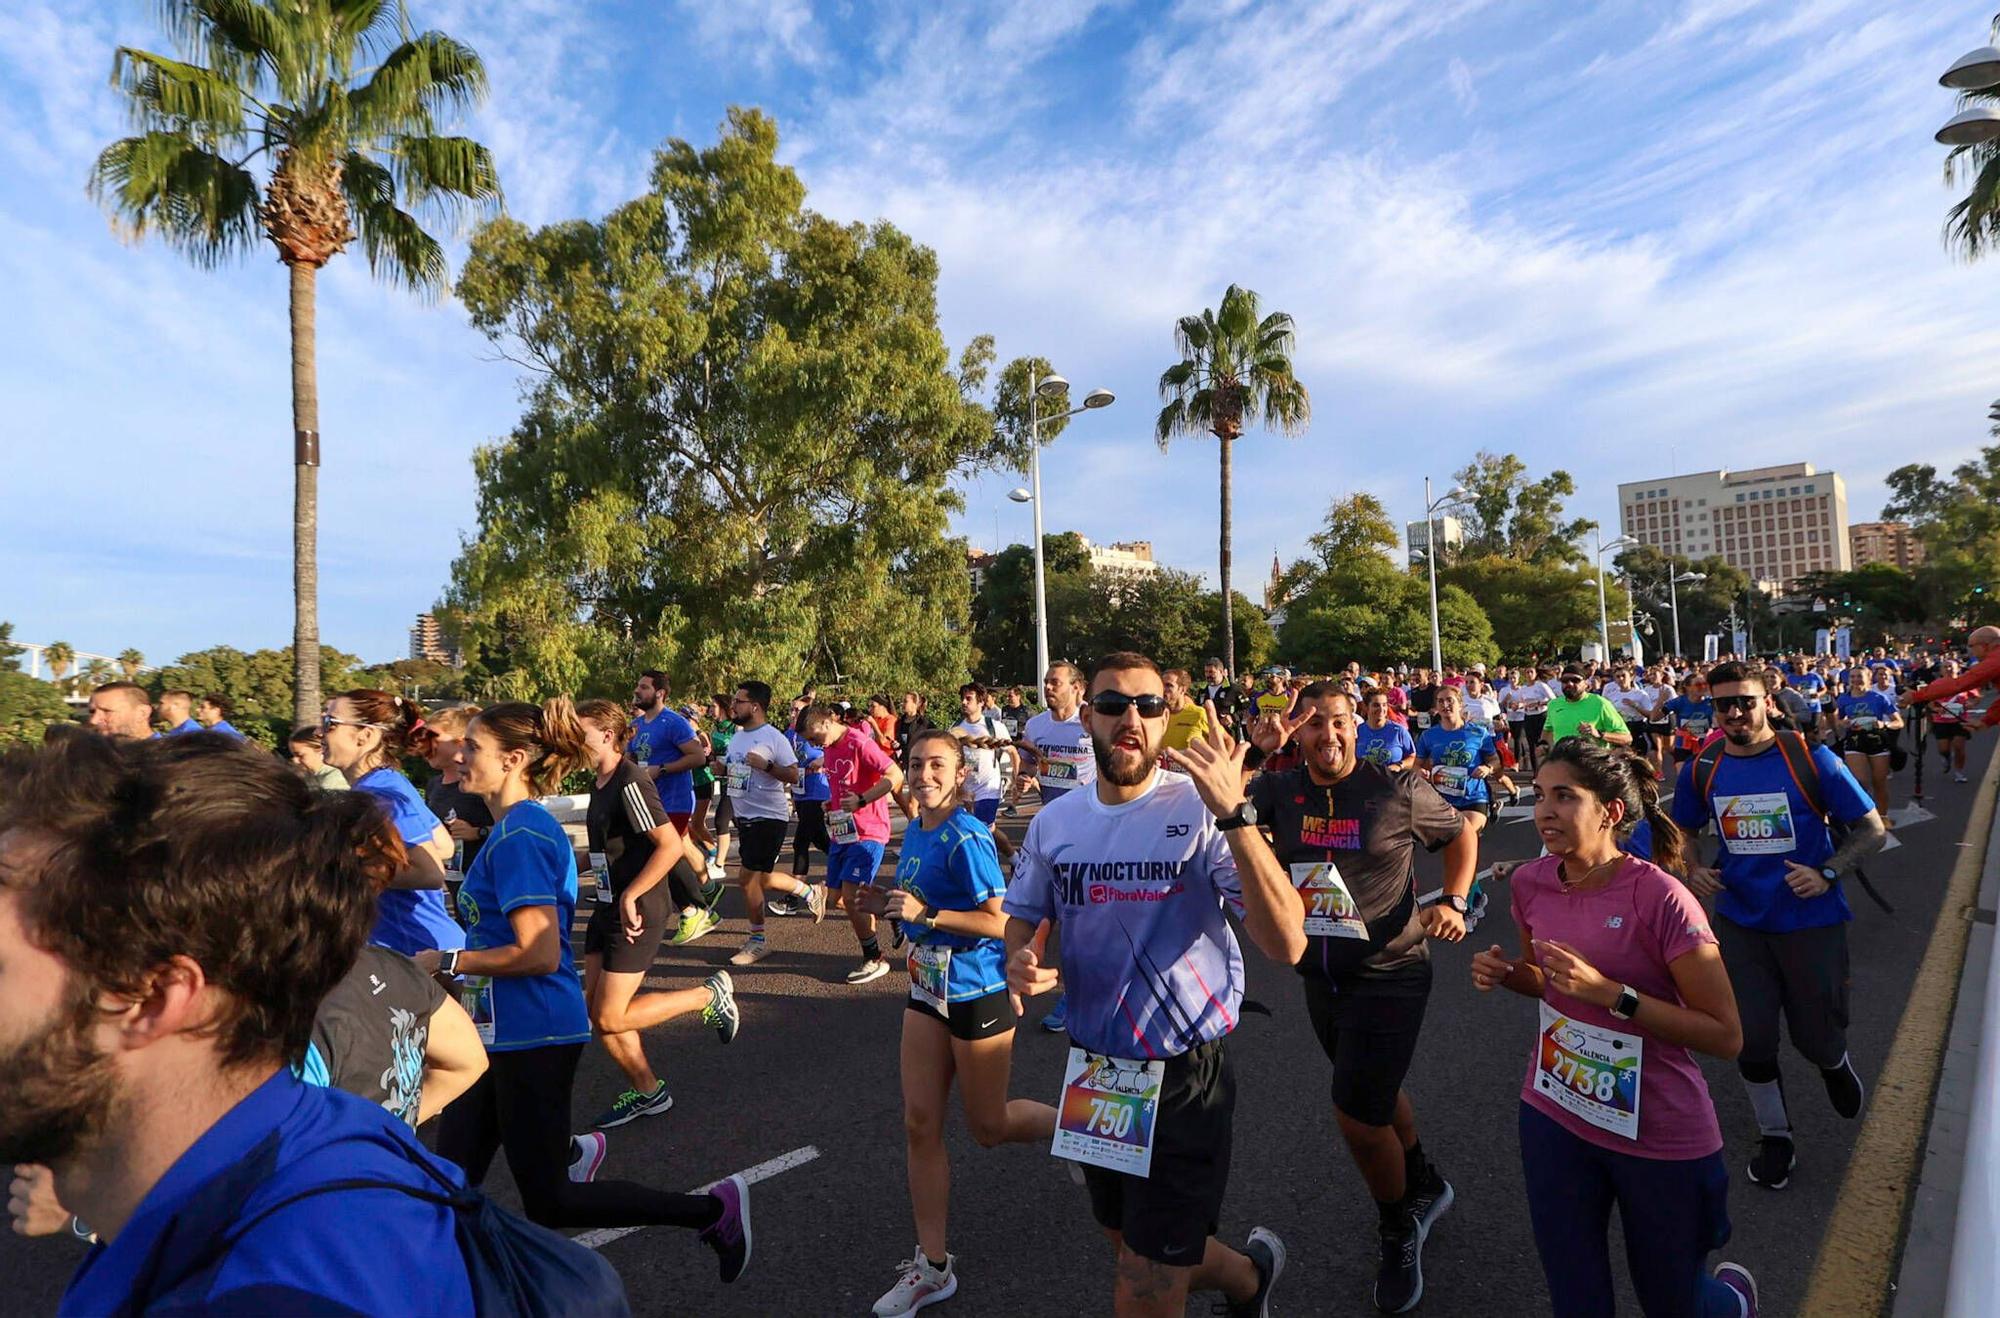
x: 1975, y: 71
x: 1674, y: 580
x: 1603, y: 621
x: 1431, y: 506
x: 1047, y: 386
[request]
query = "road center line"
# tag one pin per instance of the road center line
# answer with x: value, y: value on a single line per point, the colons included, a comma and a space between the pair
x: 763, y: 1171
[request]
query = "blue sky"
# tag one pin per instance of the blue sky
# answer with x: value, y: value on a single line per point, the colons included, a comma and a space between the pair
x: 1622, y: 238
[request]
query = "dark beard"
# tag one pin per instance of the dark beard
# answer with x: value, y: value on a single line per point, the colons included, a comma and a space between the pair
x: 56, y: 1090
x: 1116, y: 777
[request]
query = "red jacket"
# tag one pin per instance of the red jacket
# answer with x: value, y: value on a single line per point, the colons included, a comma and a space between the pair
x: 1984, y: 673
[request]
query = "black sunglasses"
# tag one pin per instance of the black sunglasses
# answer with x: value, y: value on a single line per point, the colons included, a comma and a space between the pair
x: 1113, y: 704
x: 1722, y: 703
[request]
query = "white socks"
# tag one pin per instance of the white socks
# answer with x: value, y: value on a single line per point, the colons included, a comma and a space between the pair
x: 1767, y: 1100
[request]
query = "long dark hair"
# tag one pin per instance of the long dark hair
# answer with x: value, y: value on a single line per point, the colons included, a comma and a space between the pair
x: 1614, y: 773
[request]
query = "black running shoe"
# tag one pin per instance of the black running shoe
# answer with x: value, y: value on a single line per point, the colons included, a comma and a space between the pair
x: 1843, y: 1087
x: 1399, y: 1281
x: 1771, y: 1167
x: 1268, y: 1253
x: 1429, y: 1198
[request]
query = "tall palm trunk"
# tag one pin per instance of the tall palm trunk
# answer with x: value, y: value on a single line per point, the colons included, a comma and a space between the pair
x: 1228, y: 600
x: 305, y: 497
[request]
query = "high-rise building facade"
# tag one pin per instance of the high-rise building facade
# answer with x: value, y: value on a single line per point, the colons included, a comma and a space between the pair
x: 1894, y: 543
x: 1450, y: 537
x: 1775, y: 523
x: 427, y: 641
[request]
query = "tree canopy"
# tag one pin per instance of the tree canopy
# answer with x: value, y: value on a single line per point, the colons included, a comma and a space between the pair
x: 741, y: 426
x: 1509, y: 516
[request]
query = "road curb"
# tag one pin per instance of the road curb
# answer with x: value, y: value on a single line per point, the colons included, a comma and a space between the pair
x: 1859, y: 1254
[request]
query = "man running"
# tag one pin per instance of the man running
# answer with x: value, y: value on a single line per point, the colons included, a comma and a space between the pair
x: 122, y: 709
x: 1137, y: 870
x: 1781, y: 916
x: 760, y: 766
x: 1061, y: 748
x: 1185, y: 719
x: 1581, y: 713
x: 986, y: 743
x: 1984, y: 643
x: 1381, y: 740
x: 669, y: 748
x: 213, y: 714
x: 861, y: 778
x: 177, y: 712
x: 1217, y: 691
x: 1345, y: 830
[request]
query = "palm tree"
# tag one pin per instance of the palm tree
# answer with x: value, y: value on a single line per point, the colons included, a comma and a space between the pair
x: 1235, y: 363
x: 97, y: 672
x: 342, y: 144
x: 131, y: 661
x: 61, y: 655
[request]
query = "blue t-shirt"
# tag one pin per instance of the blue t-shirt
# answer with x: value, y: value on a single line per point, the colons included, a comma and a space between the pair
x: 527, y: 861
x: 657, y: 740
x: 409, y: 920
x: 184, y: 727
x: 1465, y: 749
x: 1812, y: 684
x: 227, y: 729
x: 955, y: 868
x: 813, y: 784
x: 1869, y: 704
x: 1764, y: 821
x: 1639, y: 842
x: 1695, y: 717
x: 1388, y: 744
x: 341, y: 1252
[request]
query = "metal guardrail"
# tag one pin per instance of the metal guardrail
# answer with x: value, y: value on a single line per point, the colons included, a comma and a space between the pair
x: 1974, y: 1287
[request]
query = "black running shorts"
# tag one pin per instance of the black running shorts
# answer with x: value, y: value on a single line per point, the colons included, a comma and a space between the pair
x: 1169, y: 1215
x: 974, y: 1018
x: 759, y: 843
x: 605, y: 934
x: 1368, y: 1027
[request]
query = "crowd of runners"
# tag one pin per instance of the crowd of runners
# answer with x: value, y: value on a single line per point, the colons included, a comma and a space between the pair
x: 200, y: 1084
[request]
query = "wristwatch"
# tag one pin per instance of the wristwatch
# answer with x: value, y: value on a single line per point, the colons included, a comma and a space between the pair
x: 1627, y: 1004
x: 928, y: 916
x: 1243, y: 816
x: 448, y: 961
x: 1830, y: 874
x: 1458, y: 903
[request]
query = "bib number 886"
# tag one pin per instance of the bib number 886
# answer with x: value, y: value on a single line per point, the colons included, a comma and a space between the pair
x: 1109, y: 1118
x: 1758, y: 827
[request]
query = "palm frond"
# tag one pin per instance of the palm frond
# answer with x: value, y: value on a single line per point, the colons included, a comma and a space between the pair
x: 166, y: 183
x: 1171, y: 421
x: 363, y: 24
x: 425, y: 76
x: 321, y: 132
x: 1193, y: 333
x: 398, y: 248
x: 1175, y: 376
x: 1287, y: 406
x: 169, y: 94
x: 449, y: 172
x: 1238, y: 314
x: 233, y: 37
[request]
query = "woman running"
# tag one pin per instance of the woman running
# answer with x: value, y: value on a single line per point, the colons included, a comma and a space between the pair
x: 720, y: 731
x: 522, y: 991
x: 366, y: 733
x: 959, y: 1020
x: 1865, y: 721
x: 463, y: 813
x: 1948, y: 725
x: 1614, y: 1109
x: 1459, y: 758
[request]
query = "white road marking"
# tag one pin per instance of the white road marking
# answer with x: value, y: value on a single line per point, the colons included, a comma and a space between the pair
x: 763, y: 1171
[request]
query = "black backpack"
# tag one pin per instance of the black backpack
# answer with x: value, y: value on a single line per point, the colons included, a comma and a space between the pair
x: 516, y: 1268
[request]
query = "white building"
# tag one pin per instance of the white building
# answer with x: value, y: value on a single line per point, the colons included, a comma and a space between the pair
x: 1450, y: 535
x: 1775, y: 523
x: 1126, y: 558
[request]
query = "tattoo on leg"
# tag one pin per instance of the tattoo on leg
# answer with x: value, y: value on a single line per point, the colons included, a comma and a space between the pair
x: 1144, y: 1280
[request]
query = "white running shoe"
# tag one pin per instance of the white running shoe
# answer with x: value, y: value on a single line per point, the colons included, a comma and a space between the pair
x: 868, y: 971
x: 753, y: 951
x: 586, y: 1154
x: 920, y: 1285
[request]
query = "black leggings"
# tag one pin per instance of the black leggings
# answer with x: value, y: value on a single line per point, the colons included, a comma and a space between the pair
x: 521, y: 1104
x: 683, y: 884
x: 809, y: 833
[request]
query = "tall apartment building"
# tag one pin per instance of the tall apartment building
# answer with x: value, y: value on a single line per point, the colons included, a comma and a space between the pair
x: 1450, y: 534
x: 1775, y: 523
x: 427, y: 641
x: 1893, y: 543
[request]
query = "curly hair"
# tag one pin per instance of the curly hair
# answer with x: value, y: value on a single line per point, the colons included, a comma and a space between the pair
x: 196, y: 847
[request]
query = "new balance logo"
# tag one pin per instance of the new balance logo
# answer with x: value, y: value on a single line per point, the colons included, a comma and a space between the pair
x: 1614, y: 922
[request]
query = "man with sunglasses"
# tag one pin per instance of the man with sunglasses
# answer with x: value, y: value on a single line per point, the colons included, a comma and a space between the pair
x: 1136, y: 871
x: 1344, y: 830
x: 1780, y: 914
x: 1579, y: 712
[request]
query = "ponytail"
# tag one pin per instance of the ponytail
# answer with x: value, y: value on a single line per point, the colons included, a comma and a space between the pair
x: 1669, y: 842
x: 399, y: 720
x: 551, y: 734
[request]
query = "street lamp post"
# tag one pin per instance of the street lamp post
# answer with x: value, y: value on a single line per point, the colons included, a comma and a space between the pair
x: 1603, y: 621
x: 1674, y: 580
x: 1453, y: 495
x: 1049, y: 385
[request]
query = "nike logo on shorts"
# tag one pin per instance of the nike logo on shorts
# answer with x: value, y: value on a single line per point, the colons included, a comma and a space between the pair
x: 987, y: 1025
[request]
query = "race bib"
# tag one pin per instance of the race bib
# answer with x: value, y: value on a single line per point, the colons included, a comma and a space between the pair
x: 1451, y: 779
x: 600, y: 873
x: 1330, y: 908
x: 476, y: 996
x: 1419, y: 720
x: 739, y: 776
x: 1062, y: 767
x: 1863, y: 722
x: 1590, y: 1072
x: 1952, y: 711
x: 930, y: 968
x: 841, y: 828
x: 1695, y: 726
x: 1107, y: 1111
x: 1756, y: 824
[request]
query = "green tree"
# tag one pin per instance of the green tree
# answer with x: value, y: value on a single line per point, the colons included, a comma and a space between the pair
x: 1251, y: 637
x: 741, y: 429
x: 1509, y: 516
x: 1003, y: 612
x: 1973, y: 222
x: 1535, y: 609
x: 1704, y: 604
x: 1355, y: 528
x: 423, y: 680
x: 257, y: 684
x: 61, y: 657
x: 283, y: 79
x: 1369, y: 611
x: 1235, y: 365
x: 130, y: 661
x: 26, y: 707
x: 10, y: 653
x: 97, y: 672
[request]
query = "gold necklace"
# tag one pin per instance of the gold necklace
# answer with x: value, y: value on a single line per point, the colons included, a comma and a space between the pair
x: 1563, y: 876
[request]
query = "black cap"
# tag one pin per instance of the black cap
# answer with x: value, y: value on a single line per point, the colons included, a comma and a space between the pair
x: 1572, y: 671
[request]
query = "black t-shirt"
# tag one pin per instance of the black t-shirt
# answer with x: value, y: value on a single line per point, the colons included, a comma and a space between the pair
x: 908, y: 726
x: 1223, y: 697
x: 371, y: 1031
x: 1423, y: 698
x: 1367, y: 825
x: 449, y: 801
x: 623, y: 813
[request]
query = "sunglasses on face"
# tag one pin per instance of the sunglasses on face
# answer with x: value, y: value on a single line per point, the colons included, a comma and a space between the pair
x: 328, y: 722
x: 1723, y: 704
x: 1113, y: 704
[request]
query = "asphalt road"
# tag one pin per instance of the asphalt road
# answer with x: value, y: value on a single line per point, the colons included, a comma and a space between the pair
x: 816, y: 1069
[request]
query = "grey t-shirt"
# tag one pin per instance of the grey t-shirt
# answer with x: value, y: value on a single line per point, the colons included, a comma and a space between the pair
x: 370, y: 1033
